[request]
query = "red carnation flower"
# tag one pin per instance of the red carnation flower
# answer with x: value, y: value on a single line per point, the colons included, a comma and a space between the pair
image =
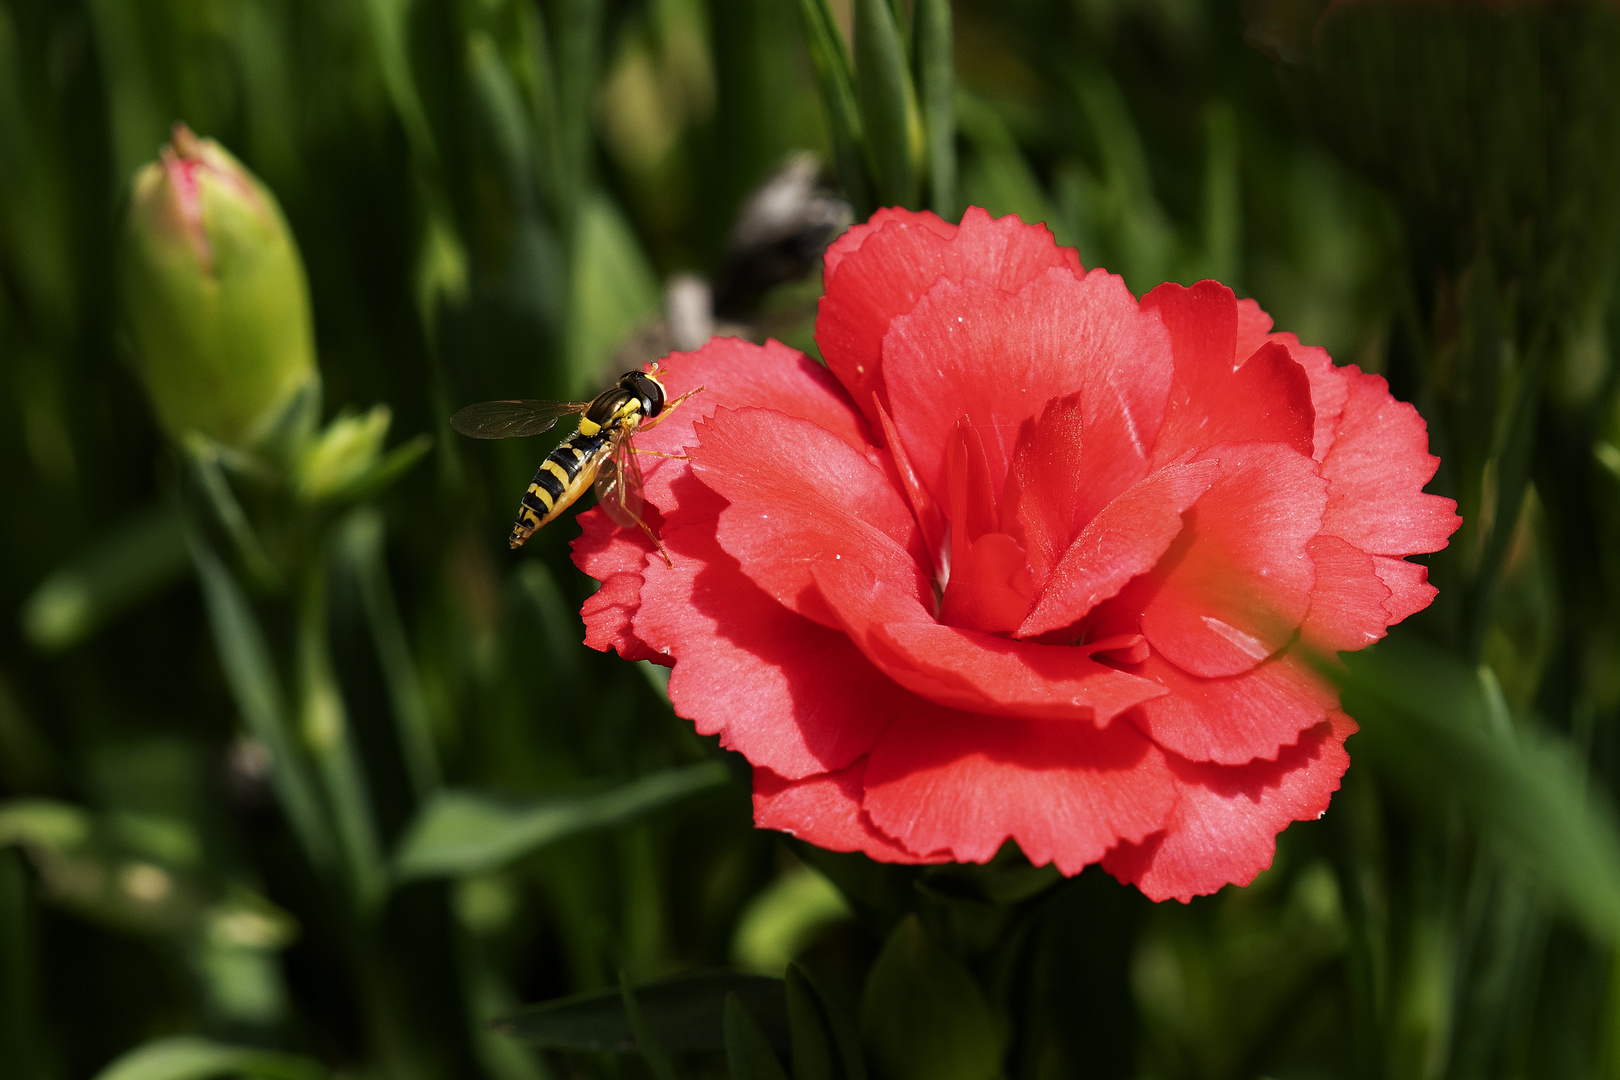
x: 1028, y: 559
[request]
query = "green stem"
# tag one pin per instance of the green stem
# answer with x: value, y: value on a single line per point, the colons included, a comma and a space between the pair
x: 325, y: 727
x: 250, y: 674
x: 1513, y: 463
x: 361, y: 541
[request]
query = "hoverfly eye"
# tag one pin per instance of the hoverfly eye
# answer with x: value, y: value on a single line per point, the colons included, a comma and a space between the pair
x: 650, y: 392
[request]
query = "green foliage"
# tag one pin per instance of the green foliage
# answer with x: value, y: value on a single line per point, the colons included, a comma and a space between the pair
x: 199, y: 1059
x: 465, y: 833
x: 302, y: 773
x: 923, y: 1015
x: 687, y: 1012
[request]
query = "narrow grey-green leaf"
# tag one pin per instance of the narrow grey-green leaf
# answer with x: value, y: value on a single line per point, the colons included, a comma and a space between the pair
x: 362, y: 543
x: 384, y: 472
x: 812, y: 1050
x: 846, y: 1039
x: 1223, y: 198
x: 685, y: 1012
x: 250, y: 674
x: 836, y: 83
x: 1427, y: 723
x: 889, y: 120
x: 461, y: 832
x: 922, y: 1015
x: 936, y: 83
x: 187, y: 1058
x: 127, y: 564
x: 647, y: 1042
x: 748, y: 1051
x: 43, y: 823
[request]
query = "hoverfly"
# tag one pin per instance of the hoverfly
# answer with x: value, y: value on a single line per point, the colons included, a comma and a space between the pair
x: 599, y: 451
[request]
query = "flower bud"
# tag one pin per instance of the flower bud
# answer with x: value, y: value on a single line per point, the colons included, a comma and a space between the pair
x: 214, y: 294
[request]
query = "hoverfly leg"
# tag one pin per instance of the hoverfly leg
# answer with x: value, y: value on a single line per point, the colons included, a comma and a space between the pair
x: 659, y: 544
x: 659, y: 454
x: 648, y: 425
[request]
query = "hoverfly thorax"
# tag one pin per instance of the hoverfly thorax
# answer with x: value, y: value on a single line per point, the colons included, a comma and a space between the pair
x: 598, y: 454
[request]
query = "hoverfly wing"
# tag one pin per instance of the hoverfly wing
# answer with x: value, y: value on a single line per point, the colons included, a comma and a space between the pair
x: 512, y: 419
x: 618, y: 487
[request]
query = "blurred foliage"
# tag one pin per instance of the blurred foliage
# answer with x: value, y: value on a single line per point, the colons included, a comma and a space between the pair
x: 301, y: 773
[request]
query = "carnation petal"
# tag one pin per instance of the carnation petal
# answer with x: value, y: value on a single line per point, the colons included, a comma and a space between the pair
x: 1041, y: 504
x: 798, y: 493
x: 736, y: 373
x: 1376, y: 470
x: 1126, y: 539
x: 748, y: 669
x: 969, y: 669
x: 1212, y: 400
x: 972, y: 350
x: 1409, y: 588
x: 1237, y: 582
x: 990, y: 589
x: 615, y: 557
x: 825, y: 810
x: 732, y: 372
x: 877, y: 273
x: 943, y: 780
x: 1235, y: 719
x: 1349, y: 603
x: 1224, y: 827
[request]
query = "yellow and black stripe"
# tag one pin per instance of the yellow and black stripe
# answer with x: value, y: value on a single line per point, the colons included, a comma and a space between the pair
x: 561, y: 479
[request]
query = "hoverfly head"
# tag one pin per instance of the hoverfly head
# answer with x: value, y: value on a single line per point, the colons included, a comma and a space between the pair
x: 645, y: 385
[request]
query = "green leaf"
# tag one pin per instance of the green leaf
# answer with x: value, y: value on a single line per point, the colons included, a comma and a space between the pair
x: 922, y: 1015
x: 389, y: 22
x: 197, y: 1059
x: 748, y: 1051
x: 461, y: 832
x: 652, y: 1051
x: 125, y: 566
x: 936, y: 79
x: 1223, y: 197
x: 250, y: 673
x: 889, y: 119
x: 846, y: 1040
x: 612, y: 290
x: 998, y: 176
x: 683, y: 1013
x: 361, y: 544
x: 784, y: 918
x: 208, y: 461
x: 327, y: 733
x: 1430, y: 723
x: 836, y: 82
x: 43, y: 823
x: 812, y: 1053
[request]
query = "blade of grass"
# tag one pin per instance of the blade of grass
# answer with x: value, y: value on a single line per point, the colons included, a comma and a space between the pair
x: 889, y: 119
x: 936, y: 80
x: 812, y: 1053
x: 184, y: 1058
x: 1426, y: 723
x: 835, y: 81
x: 652, y: 1051
x: 684, y: 1012
x: 130, y: 562
x: 748, y: 1052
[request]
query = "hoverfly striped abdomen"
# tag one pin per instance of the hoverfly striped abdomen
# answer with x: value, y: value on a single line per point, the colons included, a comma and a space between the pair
x: 559, y: 480
x: 598, y: 453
